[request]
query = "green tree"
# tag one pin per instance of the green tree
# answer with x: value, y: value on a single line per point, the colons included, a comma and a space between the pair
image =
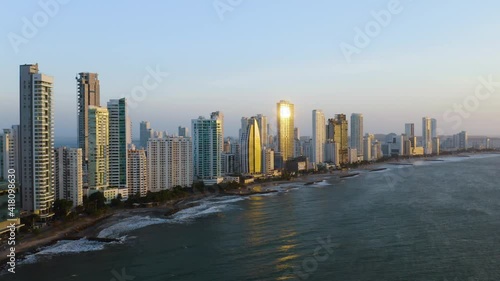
x: 62, y: 208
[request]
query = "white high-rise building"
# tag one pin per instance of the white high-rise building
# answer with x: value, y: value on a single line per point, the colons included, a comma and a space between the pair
x: 137, y: 176
x: 36, y: 134
x: 169, y: 163
x: 357, y: 132
x: 69, y: 174
x: 208, y: 143
x: 119, y: 140
x: 318, y: 136
x: 427, y: 135
x: 98, y: 167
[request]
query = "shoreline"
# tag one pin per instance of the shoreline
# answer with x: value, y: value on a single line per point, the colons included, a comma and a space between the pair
x: 90, y: 227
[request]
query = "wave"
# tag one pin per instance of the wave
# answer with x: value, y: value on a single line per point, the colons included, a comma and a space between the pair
x: 206, y: 207
x: 127, y: 225
x: 64, y: 247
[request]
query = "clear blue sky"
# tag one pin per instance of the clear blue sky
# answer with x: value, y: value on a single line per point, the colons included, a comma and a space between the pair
x: 425, y: 60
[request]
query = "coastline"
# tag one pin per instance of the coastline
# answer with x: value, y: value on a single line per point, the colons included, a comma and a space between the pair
x: 91, y: 226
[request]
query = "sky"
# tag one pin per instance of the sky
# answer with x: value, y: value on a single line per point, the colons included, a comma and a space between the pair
x: 418, y: 58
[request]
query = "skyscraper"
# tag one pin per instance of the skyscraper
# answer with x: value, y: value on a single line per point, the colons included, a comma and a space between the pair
x: 409, y: 130
x: 145, y: 133
x: 183, y: 132
x: 463, y: 141
x: 69, y: 174
x: 88, y: 95
x: 262, y: 122
x: 37, y: 139
x: 119, y: 132
x: 337, y: 132
x: 137, y: 175
x: 251, y: 149
x: 9, y: 151
x: 169, y: 163
x: 207, y: 148
x: 427, y: 135
x: 367, y: 147
x: 357, y: 132
x: 318, y: 136
x: 98, y: 167
x: 434, y: 128
x: 286, y: 126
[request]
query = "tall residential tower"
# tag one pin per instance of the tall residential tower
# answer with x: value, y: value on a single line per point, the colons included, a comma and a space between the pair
x: 318, y: 136
x: 37, y: 138
x: 286, y: 127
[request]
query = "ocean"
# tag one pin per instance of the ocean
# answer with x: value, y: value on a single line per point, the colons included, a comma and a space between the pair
x: 435, y: 220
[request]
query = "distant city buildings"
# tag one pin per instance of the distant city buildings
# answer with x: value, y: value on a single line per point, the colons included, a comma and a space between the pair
x: 183, y: 132
x: 409, y: 130
x: 145, y: 133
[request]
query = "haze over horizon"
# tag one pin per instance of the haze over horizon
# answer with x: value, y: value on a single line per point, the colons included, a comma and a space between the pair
x: 258, y: 53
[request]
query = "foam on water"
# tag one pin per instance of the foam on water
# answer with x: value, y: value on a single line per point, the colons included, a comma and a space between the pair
x: 206, y: 207
x: 127, y: 225
x: 321, y: 183
x: 64, y: 247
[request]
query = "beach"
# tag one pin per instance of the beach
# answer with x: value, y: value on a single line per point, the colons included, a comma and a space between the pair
x: 91, y: 227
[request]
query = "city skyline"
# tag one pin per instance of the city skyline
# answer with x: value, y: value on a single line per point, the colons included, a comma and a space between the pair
x: 224, y: 74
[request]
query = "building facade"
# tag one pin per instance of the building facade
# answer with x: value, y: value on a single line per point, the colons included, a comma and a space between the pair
x: 37, y: 139
x: 318, y: 136
x: 69, y: 174
x: 207, y: 148
x: 98, y: 165
x: 137, y: 175
x: 286, y: 126
x: 88, y: 89
x: 119, y: 140
x: 250, y: 145
x: 169, y: 163
x: 357, y: 132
